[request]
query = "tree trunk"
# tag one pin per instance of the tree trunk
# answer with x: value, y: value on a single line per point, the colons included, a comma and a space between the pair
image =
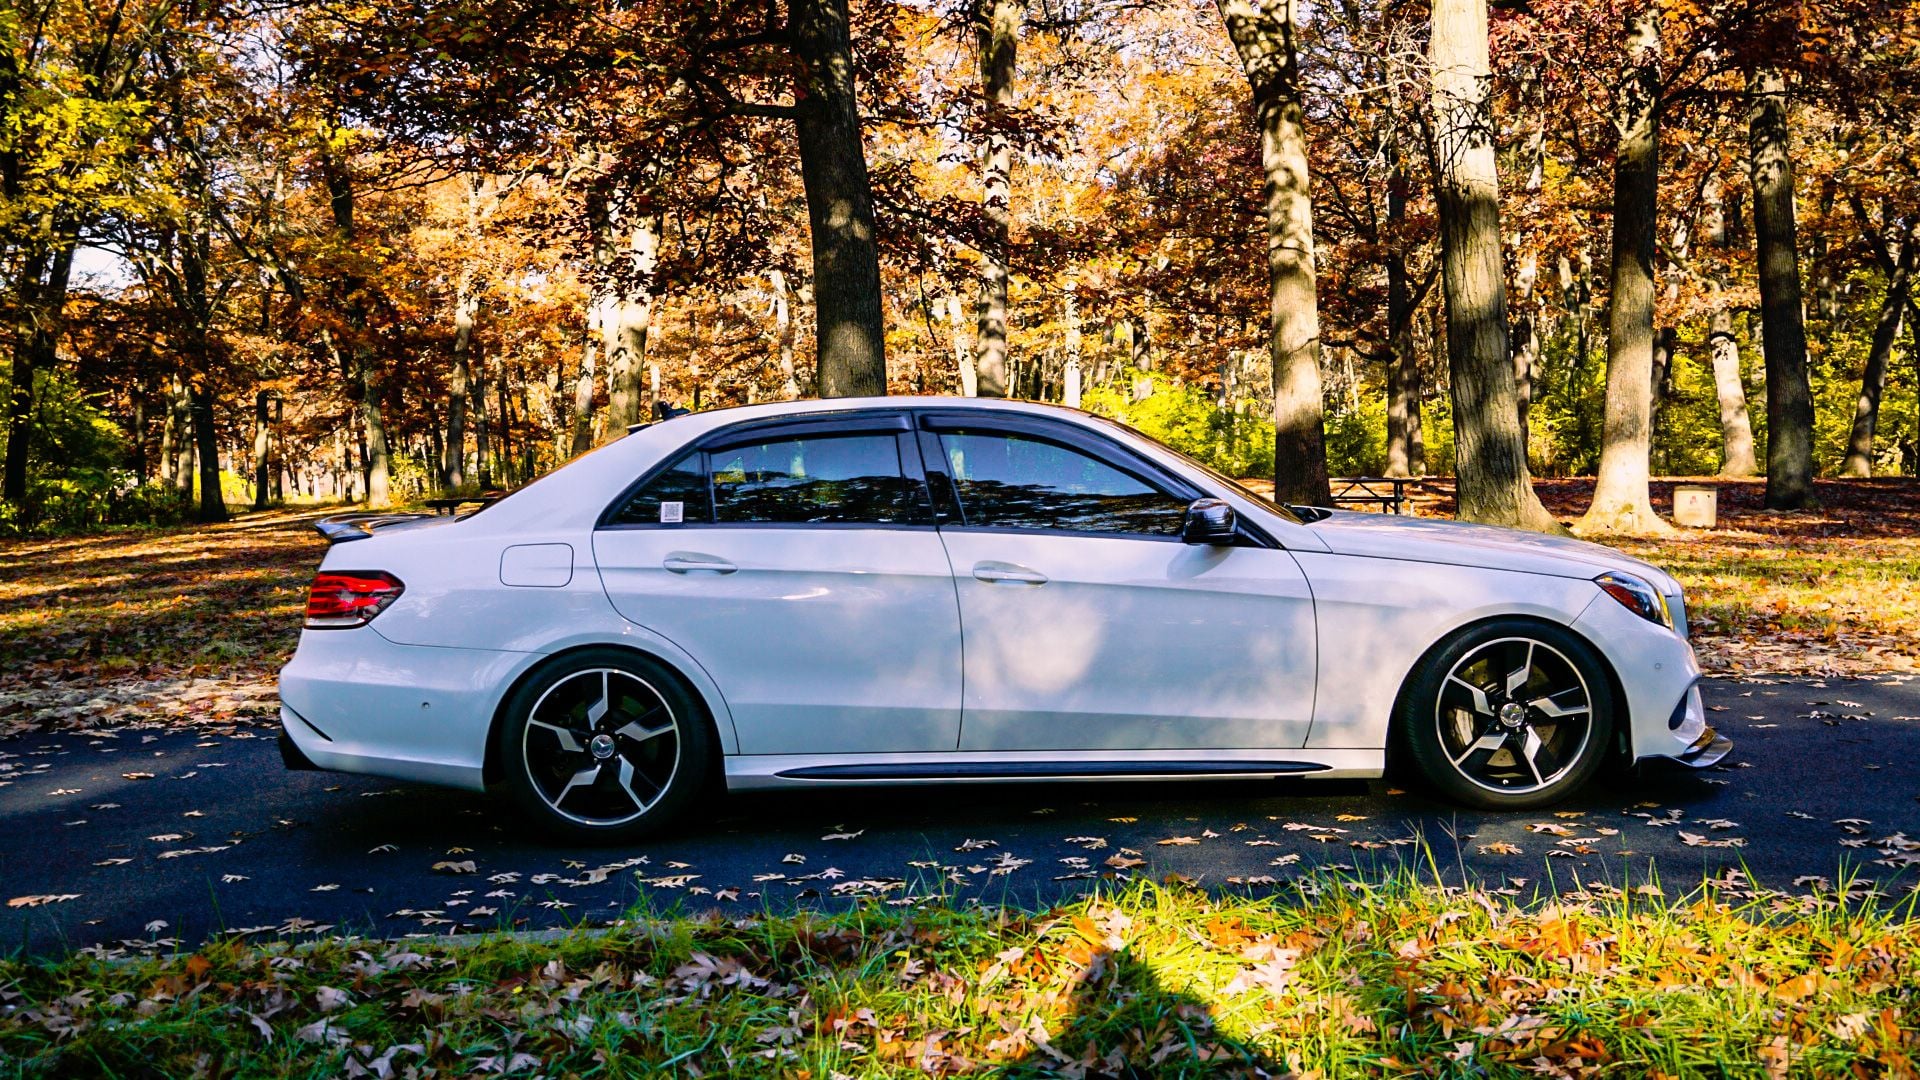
x: 182, y: 410
x: 1490, y: 455
x: 365, y: 381
x: 1072, y: 375
x: 1526, y: 342
x: 582, y: 389
x: 262, y: 471
x: 1621, y: 500
x: 850, y: 334
x: 40, y: 303
x: 783, y: 333
x: 996, y: 30
x: 1263, y: 33
x: 1873, y: 382
x: 962, y: 354
x: 477, y: 408
x: 466, y: 305
x: 1789, y: 395
x: 206, y: 439
x: 1403, y: 366
x: 625, y: 322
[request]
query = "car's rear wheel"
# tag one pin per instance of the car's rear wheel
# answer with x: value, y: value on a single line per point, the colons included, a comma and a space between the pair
x: 1509, y: 715
x: 604, y: 745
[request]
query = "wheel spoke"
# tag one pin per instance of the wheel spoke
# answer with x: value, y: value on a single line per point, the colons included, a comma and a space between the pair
x: 569, y: 739
x: 1519, y: 677
x: 1480, y: 703
x: 1549, y: 707
x: 627, y: 775
x: 1488, y: 743
x: 585, y: 777
x: 1530, y: 753
x: 598, y: 710
x: 634, y: 731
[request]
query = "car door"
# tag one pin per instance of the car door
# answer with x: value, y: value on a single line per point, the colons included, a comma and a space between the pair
x: 798, y: 564
x: 1088, y: 624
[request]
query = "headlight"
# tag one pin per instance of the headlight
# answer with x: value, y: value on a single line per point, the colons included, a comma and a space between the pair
x: 1636, y: 596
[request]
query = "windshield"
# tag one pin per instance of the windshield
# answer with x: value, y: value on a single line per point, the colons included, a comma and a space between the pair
x: 1239, y: 488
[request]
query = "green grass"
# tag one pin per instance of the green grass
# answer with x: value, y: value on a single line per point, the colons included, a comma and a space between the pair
x: 1340, y: 978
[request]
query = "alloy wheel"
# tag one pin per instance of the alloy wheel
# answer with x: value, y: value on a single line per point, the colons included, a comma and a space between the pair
x: 1514, y: 716
x: 601, y: 746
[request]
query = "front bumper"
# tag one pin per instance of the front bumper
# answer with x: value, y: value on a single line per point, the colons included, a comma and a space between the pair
x: 1706, y: 750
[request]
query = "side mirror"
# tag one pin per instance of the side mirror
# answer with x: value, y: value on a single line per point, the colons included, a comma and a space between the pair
x: 1209, y: 521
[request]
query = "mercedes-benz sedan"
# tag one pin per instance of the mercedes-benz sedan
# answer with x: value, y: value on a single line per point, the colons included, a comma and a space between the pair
x: 936, y: 590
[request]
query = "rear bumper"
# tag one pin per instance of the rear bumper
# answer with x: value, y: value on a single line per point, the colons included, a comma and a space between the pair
x: 352, y: 701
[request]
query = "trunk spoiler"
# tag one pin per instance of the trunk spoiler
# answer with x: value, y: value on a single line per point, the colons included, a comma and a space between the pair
x: 345, y: 527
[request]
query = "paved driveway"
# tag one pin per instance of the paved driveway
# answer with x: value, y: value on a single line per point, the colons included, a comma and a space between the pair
x: 174, y: 835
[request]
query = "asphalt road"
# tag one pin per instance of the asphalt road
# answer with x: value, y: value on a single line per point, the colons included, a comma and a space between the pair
x: 158, y: 839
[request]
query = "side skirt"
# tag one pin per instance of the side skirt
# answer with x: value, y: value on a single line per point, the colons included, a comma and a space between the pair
x: 758, y: 772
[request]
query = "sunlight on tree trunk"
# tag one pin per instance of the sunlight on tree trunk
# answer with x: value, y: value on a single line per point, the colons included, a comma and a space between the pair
x: 261, y: 449
x: 996, y: 29
x: 850, y: 334
x: 1490, y: 456
x: 783, y: 333
x: 1873, y: 382
x: 1621, y: 502
x: 1789, y: 395
x: 1263, y: 33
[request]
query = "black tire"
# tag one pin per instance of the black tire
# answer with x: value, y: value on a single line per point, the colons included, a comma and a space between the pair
x: 604, y: 745
x: 1508, y: 749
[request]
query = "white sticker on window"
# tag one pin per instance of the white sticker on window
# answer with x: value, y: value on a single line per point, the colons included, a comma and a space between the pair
x: 672, y: 513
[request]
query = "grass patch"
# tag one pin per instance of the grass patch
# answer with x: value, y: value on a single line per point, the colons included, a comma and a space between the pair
x: 1341, y: 978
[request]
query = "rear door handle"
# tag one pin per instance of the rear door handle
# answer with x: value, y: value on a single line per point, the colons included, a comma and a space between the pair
x: 683, y: 562
x: 1008, y: 573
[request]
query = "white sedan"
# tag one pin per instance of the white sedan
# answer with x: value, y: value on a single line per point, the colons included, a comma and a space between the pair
x: 931, y: 590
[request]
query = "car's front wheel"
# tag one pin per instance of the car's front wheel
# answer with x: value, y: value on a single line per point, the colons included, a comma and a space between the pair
x: 1509, y: 715
x: 604, y: 745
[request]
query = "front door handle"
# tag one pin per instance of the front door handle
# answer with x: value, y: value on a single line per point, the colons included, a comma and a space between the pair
x: 683, y: 562
x: 1008, y: 573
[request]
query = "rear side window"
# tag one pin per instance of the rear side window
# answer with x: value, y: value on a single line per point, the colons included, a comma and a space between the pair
x: 1012, y: 482
x: 821, y: 480
x: 675, y: 496
x: 827, y: 479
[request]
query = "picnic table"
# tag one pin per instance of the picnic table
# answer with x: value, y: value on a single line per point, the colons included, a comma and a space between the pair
x: 451, y: 504
x: 1387, y: 492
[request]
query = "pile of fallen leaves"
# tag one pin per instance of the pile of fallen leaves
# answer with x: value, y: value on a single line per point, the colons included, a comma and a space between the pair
x: 162, y: 627
x: 1350, y: 978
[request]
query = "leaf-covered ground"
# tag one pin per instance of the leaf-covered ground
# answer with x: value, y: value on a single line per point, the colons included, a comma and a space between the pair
x: 1343, y: 979
x: 163, y: 627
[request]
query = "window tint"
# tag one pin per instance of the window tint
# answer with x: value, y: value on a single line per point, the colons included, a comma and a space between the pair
x: 1012, y: 482
x: 829, y: 479
x: 676, y: 495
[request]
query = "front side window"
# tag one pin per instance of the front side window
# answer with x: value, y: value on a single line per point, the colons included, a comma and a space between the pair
x: 824, y: 479
x: 1016, y: 482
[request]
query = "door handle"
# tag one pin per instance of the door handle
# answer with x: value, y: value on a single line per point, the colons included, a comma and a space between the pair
x: 1008, y: 574
x: 682, y: 562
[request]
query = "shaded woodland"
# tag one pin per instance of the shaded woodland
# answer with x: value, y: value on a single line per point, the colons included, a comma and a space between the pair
x: 256, y: 252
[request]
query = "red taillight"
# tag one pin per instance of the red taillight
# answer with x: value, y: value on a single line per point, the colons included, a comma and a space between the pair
x: 345, y: 598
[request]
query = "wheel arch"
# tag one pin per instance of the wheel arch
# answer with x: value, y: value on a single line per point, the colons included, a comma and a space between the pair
x: 1620, y: 752
x: 493, y: 770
